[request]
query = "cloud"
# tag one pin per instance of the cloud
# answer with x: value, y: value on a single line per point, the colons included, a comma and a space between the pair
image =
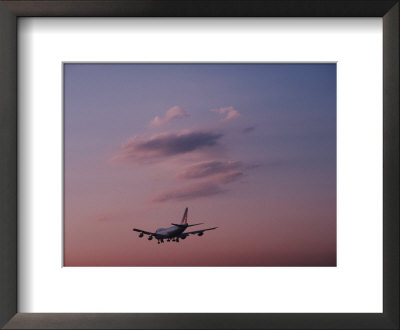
x: 230, y: 177
x: 229, y: 112
x: 212, y: 175
x: 210, y: 168
x: 139, y: 150
x: 171, y: 114
x: 248, y: 129
x: 194, y: 191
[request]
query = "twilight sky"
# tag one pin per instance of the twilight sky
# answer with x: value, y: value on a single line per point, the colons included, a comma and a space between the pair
x: 250, y: 148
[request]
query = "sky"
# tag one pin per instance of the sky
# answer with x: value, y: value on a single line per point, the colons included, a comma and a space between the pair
x: 248, y: 148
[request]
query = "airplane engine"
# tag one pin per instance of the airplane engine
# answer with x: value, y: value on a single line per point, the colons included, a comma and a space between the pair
x: 150, y: 238
x: 183, y: 236
x: 200, y: 234
x: 141, y: 235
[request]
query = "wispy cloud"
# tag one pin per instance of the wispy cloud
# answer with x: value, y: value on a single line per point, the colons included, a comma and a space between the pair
x: 230, y: 176
x: 210, y: 168
x: 228, y: 112
x: 140, y: 150
x: 171, y: 114
x: 213, y: 175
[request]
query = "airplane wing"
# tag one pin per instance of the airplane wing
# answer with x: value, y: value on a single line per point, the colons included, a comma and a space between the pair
x: 201, y: 231
x: 144, y: 232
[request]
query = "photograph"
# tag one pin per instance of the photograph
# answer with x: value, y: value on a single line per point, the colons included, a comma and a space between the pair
x: 199, y: 164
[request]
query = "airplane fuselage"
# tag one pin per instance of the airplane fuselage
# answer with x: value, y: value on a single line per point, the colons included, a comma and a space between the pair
x: 170, y: 232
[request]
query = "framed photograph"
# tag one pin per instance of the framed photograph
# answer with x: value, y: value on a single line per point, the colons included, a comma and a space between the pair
x: 199, y: 164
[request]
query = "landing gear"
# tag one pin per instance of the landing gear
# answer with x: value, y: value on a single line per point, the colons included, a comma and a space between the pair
x: 161, y: 240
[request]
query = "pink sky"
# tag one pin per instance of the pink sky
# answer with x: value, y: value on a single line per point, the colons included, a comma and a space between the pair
x: 249, y: 148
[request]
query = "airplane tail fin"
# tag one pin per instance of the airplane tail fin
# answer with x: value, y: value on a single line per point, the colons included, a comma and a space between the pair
x: 185, y: 217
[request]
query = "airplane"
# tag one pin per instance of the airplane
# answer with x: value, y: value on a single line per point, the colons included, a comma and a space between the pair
x: 173, y: 233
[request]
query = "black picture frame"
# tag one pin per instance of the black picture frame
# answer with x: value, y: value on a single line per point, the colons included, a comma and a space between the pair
x: 9, y: 13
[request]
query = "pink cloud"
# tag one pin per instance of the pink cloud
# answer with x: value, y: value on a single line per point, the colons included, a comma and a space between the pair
x: 212, y: 175
x: 229, y: 112
x: 166, y: 145
x: 171, y: 114
x: 230, y: 176
x: 210, y: 168
x: 220, y: 171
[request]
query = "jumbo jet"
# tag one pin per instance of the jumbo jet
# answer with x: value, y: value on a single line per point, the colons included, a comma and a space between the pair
x: 175, y: 232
